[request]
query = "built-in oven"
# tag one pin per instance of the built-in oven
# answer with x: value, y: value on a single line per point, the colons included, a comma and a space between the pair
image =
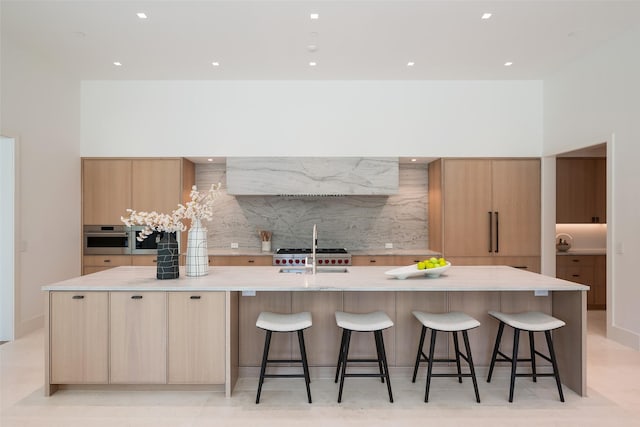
x: 106, y: 240
x: 148, y: 246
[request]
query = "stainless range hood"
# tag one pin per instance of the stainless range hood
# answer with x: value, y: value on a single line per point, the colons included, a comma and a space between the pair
x: 312, y: 176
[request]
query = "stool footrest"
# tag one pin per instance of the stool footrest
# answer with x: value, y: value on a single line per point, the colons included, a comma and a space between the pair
x: 283, y: 376
x: 284, y: 361
x: 365, y: 375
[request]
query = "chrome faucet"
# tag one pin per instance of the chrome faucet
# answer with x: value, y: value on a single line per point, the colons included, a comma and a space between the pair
x: 314, y: 247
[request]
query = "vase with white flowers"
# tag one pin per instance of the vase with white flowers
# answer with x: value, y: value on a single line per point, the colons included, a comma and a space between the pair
x: 199, y: 208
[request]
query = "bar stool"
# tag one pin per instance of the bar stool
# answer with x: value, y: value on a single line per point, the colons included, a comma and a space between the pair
x: 374, y: 322
x: 531, y: 322
x: 453, y: 322
x: 275, y: 322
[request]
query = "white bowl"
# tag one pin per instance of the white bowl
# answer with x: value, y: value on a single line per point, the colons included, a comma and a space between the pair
x: 412, y: 270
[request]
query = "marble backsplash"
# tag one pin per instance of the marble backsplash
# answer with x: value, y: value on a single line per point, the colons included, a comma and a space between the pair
x: 352, y: 222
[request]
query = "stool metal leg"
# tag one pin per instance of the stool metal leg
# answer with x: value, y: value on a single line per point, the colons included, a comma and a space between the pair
x: 496, y: 348
x: 305, y: 365
x: 418, y: 356
x: 384, y: 363
x: 514, y: 362
x: 263, y: 367
x: 430, y: 364
x: 339, y: 364
x: 345, y: 356
x: 554, y: 363
x: 457, y: 349
x: 532, y: 346
x: 465, y: 337
x: 376, y: 338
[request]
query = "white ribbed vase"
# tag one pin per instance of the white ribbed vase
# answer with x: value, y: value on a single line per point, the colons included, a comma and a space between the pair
x: 197, y: 262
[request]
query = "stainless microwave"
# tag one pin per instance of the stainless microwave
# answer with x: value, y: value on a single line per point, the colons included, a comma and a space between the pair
x: 106, y: 240
x: 148, y: 246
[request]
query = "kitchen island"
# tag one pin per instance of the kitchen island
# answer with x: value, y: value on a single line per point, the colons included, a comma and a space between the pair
x: 99, y: 333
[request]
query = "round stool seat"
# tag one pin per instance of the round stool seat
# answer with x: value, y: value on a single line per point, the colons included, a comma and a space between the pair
x: 283, y: 322
x: 529, y: 321
x: 365, y: 322
x: 448, y: 322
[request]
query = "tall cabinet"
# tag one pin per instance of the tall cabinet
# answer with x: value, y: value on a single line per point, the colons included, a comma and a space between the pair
x: 581, y: 190
x: 486, y: 211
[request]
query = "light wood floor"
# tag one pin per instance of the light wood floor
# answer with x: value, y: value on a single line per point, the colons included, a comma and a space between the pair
x: 613, y: 381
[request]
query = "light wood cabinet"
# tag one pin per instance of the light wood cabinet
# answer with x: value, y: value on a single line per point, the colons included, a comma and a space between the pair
x: 392, y: 260
x: 95, y: 263
x: 156, y: 184
x: 196, y: 338
x: 106, y: 190
x: 145, y: 260
x: 240, y: 260
x: 79, y: 337
x: 485, y: 208
x: 590, y: 270
x: 581, y: 190
x: 525, y: 263
x: 138, y: 338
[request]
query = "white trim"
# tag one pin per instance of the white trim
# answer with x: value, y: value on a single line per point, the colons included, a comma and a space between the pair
x: 7, y: 246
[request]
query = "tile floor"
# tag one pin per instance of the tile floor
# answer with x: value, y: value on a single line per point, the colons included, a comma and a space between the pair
x: 613, y: 400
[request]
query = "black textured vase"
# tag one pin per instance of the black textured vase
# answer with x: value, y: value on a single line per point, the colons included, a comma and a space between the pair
x: 168, y: 257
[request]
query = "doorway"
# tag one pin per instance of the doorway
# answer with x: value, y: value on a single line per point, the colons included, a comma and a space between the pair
x: 581, y: 220
x: 7, y: 246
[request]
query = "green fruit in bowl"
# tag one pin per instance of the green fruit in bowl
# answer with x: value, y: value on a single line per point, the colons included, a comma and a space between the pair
x: 421, y: 265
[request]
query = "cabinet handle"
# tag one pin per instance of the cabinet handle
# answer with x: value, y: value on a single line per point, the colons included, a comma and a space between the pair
x: 497, y: 234
x: 372, y: 260
x: 490, y: 232
x: 523, y: 267
x: 106, y: 260
x: 575, y: 275
x: 77, y: 297
x: 136, y: 297
x: 251, y: 261
x: 195, y: 297
x: 155, y: 260
x: 416, y: 260
x: 575, y: 260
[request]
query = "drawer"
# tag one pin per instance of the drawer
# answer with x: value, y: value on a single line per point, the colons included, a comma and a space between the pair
x: 575, y: 260
x: 106, y: 260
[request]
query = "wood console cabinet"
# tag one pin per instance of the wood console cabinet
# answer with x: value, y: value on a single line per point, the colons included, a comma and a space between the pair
x: 581, y: 190
x: 485, y: 208
x: 590, y: 270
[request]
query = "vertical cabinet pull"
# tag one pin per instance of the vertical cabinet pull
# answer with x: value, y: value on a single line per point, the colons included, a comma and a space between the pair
x: 497, y: 233
x: 136, y: 297
x: 490, y: 231
x: 195, y: 297
x: 77, y: 297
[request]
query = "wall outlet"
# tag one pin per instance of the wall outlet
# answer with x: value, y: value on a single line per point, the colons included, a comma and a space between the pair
x: 248, y: 293
x: 541, y: 293
x: 619, y: 248
x: 234, y: 245
x: 388, y: 245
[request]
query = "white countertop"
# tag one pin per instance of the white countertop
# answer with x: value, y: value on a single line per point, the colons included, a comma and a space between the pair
x: 457, y: 278
x: 426, y: 253
x: 584, y: 251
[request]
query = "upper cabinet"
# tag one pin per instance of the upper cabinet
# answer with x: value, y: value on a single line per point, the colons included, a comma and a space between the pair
x: 581, y: 190
x: 485, y: 207
x: 111, y: 186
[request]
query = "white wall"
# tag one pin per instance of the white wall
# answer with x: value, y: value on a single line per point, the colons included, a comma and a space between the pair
x: 341, y: 118
x: 40, y: 109
x: 7, y: 245
x: 597, y: 99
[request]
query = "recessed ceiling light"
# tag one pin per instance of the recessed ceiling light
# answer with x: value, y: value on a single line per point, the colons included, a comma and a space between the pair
x: 508, y: 64
x: 141, y: 15
x: 486, y: 15
x: 314, y: 16
x: 215, y: 63
x: 410, y: 64
x: 117, y: 63
x: 312, y: 64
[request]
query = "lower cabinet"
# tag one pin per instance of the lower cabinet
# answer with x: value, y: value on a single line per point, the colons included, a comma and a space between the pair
x: 393, y: 260
x: 240, y: 260
x: 528, y: 263
x: 590, y: 270
x: 136, y: 337
x: 79, y: 337
x: 95, y: 263
x: 196, y: 338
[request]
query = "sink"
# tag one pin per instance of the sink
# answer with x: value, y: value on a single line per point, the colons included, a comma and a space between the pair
x: 299, y: 270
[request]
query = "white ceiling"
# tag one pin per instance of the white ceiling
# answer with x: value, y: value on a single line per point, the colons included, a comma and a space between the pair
x: 354, y: 39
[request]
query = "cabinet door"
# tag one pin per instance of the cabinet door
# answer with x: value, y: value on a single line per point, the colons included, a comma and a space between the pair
x: 579, y: 183
x: 196, y: 338
x: 138, y: 336
x: 600, y: 190
x: 467, y: 203
x: 106, y: 190
x: 600, y: 283
x: 144, y: 260
x: 79, y: 337
x: 516, y: 199
x: 156, y: 185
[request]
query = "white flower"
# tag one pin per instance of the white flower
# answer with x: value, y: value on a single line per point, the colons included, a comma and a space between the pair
x: 200, y: 207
